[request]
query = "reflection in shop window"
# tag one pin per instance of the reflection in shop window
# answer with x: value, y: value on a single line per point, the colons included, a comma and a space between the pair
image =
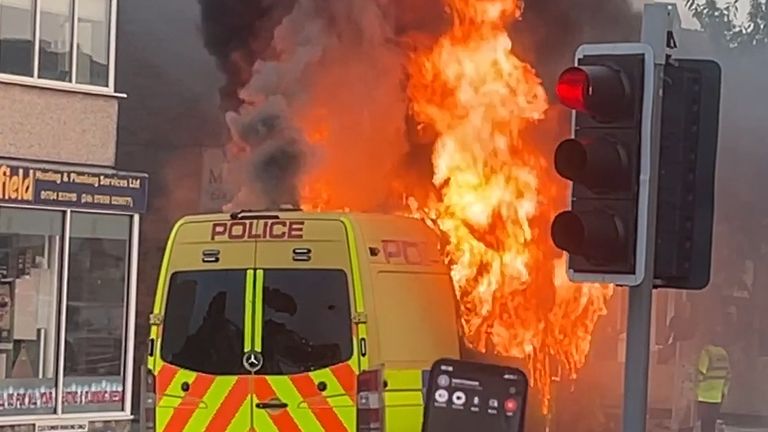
x: 96, y: 295
x: 17, y: 23
x: 56, y: 40
x: 30, y: 248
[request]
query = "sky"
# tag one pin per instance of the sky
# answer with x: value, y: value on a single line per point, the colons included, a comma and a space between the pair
x: 685, y: 15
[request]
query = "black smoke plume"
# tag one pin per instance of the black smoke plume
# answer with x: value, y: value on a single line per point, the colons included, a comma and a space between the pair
x: 324, y: 72
x: 241, y: 33
x: 236, y: 33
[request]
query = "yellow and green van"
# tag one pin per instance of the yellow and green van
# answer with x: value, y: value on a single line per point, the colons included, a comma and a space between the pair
x: 264, y: 320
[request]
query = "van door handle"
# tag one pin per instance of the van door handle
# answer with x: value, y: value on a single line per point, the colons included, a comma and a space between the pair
x: 273, y: 404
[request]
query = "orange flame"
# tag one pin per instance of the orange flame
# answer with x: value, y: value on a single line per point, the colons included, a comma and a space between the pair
x: 497, y: 195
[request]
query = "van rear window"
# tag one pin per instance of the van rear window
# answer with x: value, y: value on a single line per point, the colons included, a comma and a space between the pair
x: 307, y: 320
x: 203, y: 325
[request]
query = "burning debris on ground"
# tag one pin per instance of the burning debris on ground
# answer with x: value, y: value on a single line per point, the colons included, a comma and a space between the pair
x: 372, y: 104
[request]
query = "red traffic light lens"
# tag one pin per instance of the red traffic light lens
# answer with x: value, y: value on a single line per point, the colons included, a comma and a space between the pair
x: 600, y: 91
x: 573, y: 88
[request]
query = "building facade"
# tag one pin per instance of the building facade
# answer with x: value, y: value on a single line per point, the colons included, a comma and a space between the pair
x: 69, y: 221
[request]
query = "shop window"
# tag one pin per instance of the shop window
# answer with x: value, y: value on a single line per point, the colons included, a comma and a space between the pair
x: 17, y: 23
x: 93, y: 42
x: 94, y: 357
x: 203, y: 325
x: 55, y: 40
x: 307, y: 321
x: 30, y: 249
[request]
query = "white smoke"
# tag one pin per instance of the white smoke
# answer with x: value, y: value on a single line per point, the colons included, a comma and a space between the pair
x: 324, y: 55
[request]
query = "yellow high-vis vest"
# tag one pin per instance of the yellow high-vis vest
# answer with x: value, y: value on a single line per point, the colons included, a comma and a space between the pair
x: 714, y: 373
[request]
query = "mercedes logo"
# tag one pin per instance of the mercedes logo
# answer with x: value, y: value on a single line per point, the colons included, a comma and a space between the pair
x: 253, y: 361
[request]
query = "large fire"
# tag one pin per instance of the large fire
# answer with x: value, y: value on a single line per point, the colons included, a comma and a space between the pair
x: 497, y: 196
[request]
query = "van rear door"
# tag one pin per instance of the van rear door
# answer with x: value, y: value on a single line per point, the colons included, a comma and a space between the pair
x: 304, y: 328
x: 205, y: 301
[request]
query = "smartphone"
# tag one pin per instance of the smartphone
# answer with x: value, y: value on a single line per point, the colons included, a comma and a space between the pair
x: 468, y: 396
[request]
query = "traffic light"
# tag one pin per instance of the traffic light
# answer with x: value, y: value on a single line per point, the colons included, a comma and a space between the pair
x: 607, y: 160
x: 687, y: 159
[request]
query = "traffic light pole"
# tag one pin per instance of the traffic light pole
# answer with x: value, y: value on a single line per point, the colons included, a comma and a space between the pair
x: 658, y: 21
x: 641, y: 301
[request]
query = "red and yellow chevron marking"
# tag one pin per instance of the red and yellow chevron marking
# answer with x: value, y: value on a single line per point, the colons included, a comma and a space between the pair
x: 164, y: 376
x: 222, y: 403
x: 212, y: 403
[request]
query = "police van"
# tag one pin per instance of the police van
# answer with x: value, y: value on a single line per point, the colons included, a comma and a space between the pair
x: 264, y: 320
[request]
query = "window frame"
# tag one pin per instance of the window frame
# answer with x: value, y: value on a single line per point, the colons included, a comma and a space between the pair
x: 129, y: 325
x: 56, y: 308
x: 71, y: 85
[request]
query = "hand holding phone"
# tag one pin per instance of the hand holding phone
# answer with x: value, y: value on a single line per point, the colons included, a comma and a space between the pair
x: 467, y: 396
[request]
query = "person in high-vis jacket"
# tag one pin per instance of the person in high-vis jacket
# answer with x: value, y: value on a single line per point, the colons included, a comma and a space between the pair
x: 714, y: 372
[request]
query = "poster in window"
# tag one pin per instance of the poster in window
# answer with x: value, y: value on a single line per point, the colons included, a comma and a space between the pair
x: 45, y: 305
x: 25, y: 309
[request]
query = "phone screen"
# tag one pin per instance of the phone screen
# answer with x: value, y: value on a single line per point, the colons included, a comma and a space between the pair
x: 465, y: 396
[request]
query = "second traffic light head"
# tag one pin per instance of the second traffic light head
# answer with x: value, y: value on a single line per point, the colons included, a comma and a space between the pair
x: 599, y: 91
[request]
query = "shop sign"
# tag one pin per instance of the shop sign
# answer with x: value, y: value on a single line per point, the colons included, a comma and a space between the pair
x: 19, y: 396
x: 63, y: 187
x: 61, y: 426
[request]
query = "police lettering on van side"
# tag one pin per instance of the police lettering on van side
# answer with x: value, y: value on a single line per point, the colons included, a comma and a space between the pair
x: 258, y: 230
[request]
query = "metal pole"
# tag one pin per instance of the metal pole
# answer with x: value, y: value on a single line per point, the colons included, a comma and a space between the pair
x: 677, y: 382
x: 143, y: 398
x: 658, y: 20
x: 636, y: 362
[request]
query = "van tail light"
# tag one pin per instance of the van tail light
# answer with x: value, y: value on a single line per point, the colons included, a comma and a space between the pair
x: 370, y: 401
x: 148, y: 402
